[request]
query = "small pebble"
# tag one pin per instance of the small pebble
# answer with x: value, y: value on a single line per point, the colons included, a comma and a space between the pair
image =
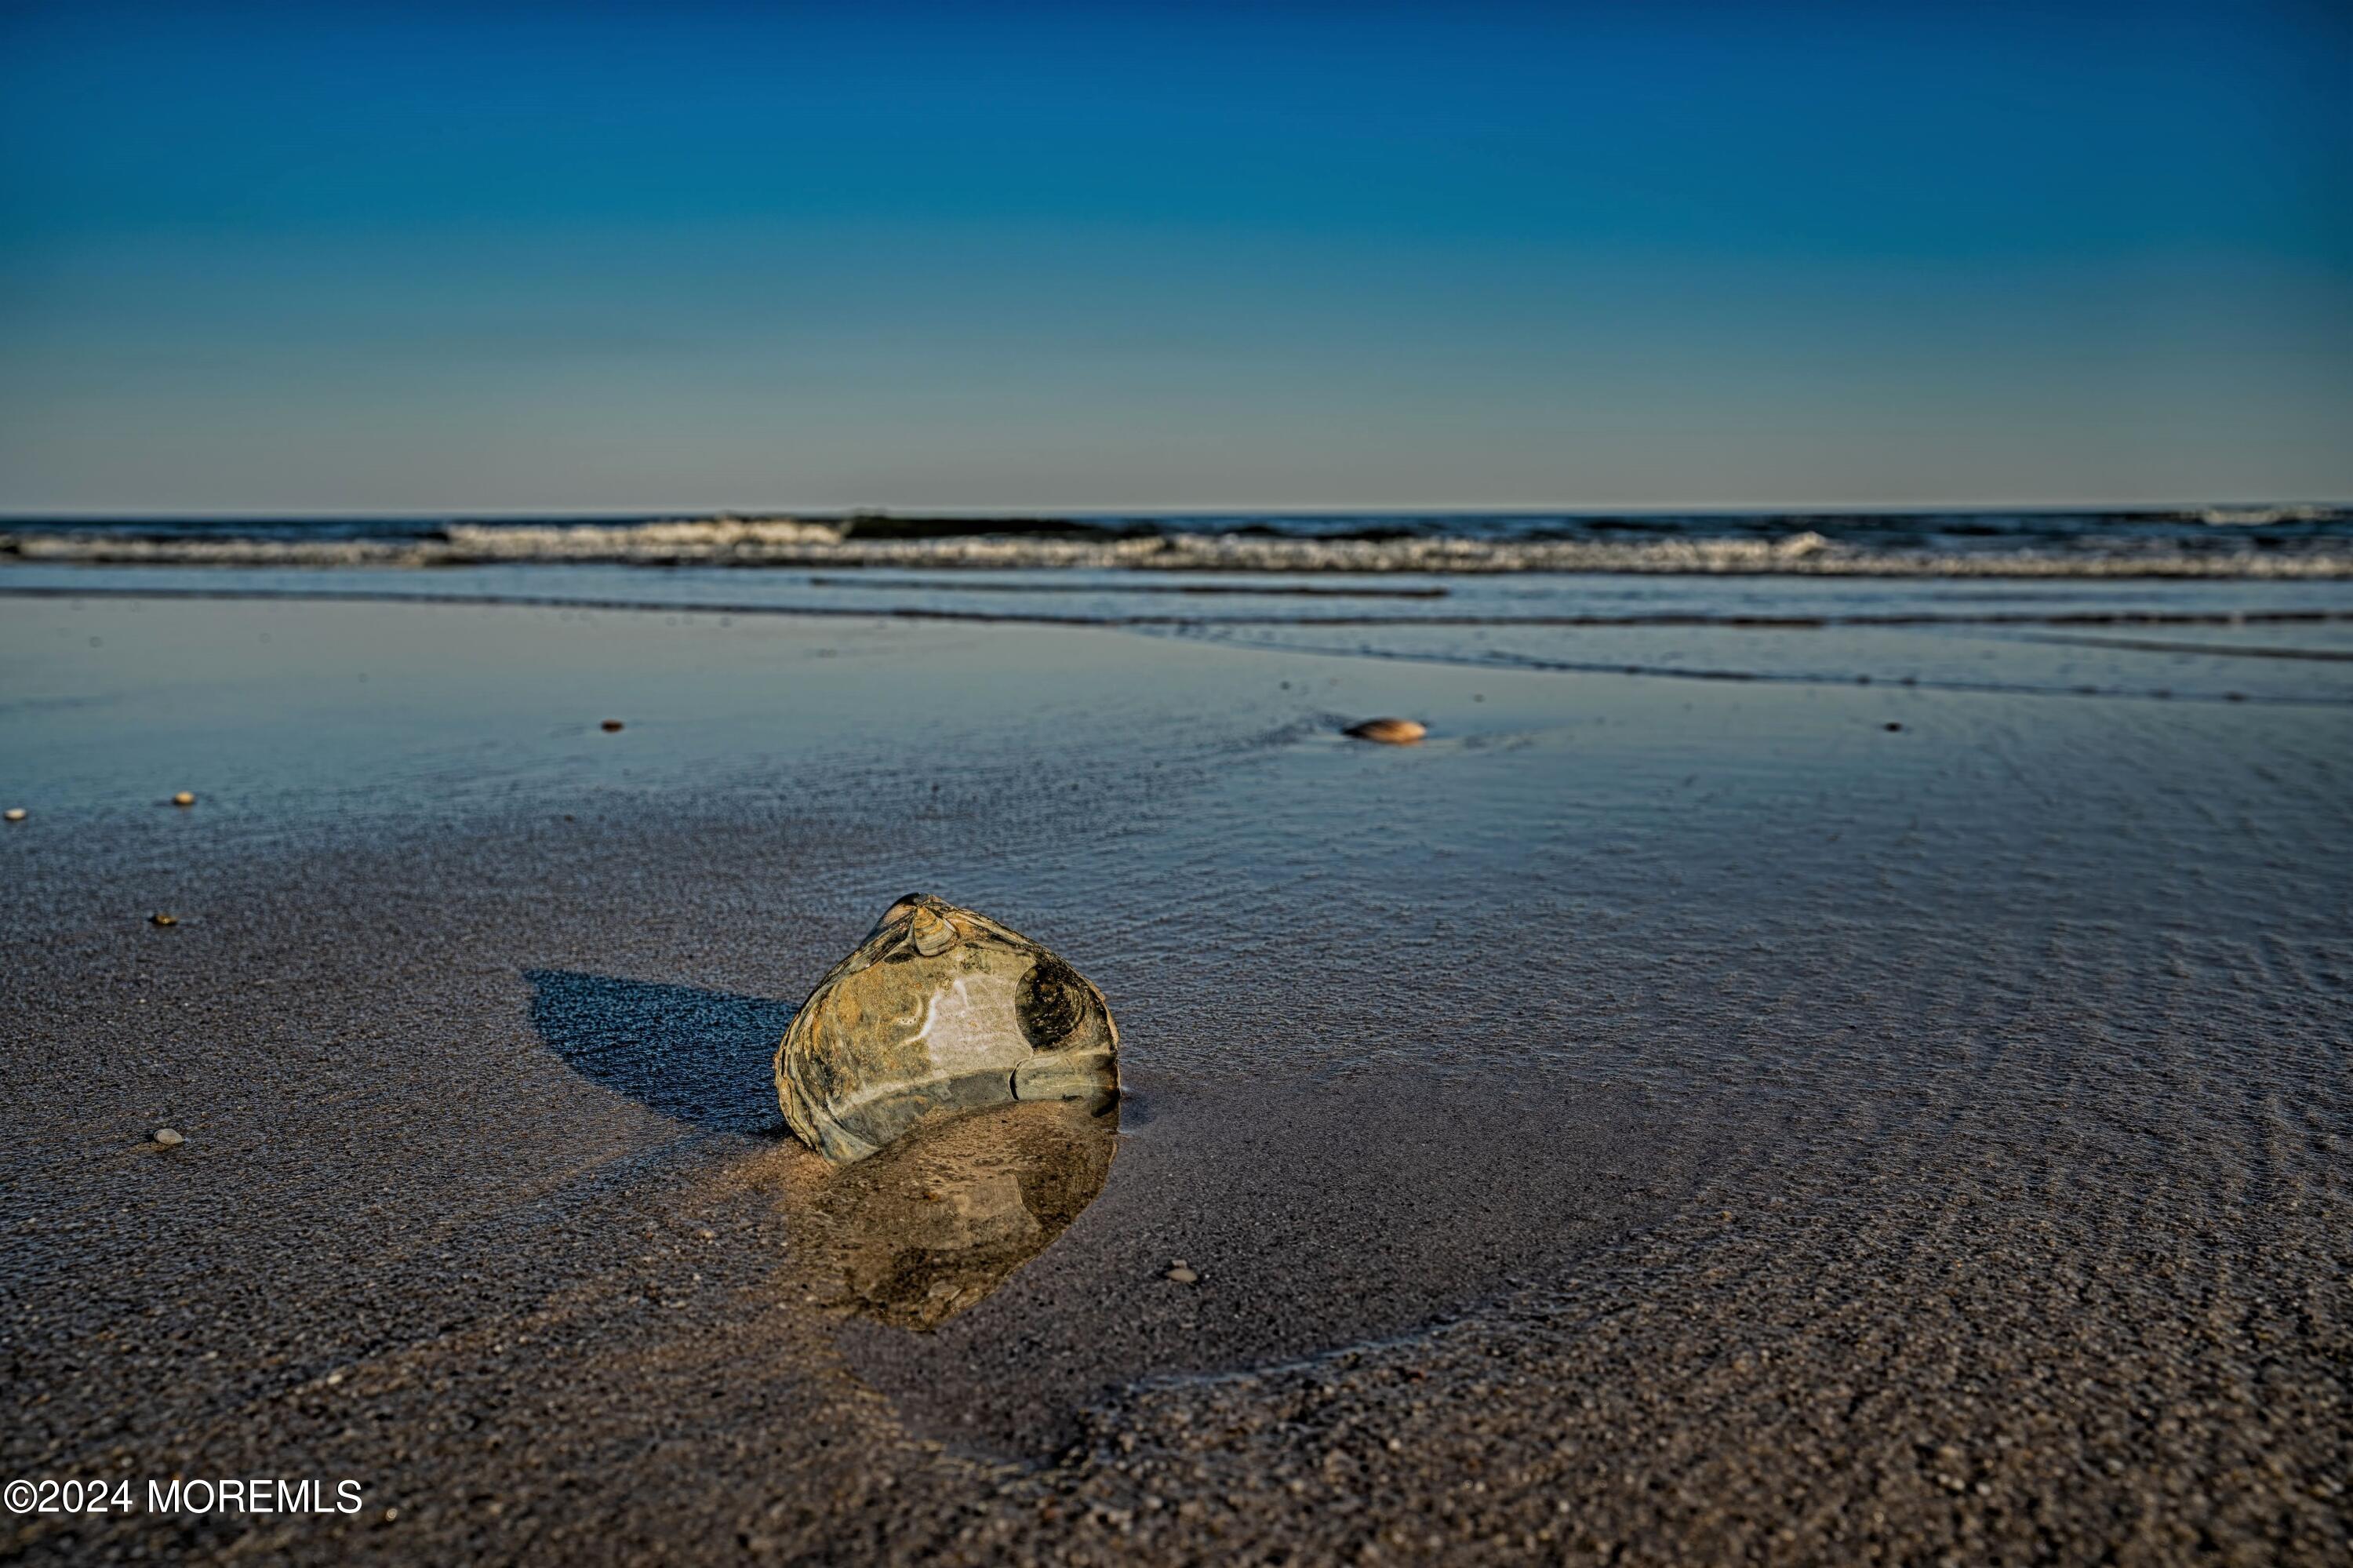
x: 1893, y: 727
x: 169, y: 1137
x: 184, y: 799
x: 160, y: 918
x: 610, y: 726
x: 14, y: 813
x: 1180, y: 1274
x: 1389, y: 731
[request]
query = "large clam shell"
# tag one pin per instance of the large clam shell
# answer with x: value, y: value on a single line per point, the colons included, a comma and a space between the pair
x: 939, y: 1009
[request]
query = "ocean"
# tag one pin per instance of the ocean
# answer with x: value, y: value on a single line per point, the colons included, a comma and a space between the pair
x: 2257, y: 541
x: 2233, y: 604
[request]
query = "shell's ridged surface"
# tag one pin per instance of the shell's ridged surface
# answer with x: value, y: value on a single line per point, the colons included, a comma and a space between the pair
x: 939, y: 1009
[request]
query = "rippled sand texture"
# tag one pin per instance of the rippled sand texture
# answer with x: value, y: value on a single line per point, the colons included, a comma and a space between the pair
x: 1652, y: 1120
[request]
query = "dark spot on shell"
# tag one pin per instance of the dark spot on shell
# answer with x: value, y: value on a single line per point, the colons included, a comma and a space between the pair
x: 1050, y: 1002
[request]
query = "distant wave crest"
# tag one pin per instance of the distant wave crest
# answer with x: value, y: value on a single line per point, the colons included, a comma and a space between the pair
x: 795, y: 543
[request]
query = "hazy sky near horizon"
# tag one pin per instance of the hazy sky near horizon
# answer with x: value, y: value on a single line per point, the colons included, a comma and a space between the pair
x: 631, y: 256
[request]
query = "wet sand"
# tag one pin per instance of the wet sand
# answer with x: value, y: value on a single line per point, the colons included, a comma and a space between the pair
x: 1651, y: 1121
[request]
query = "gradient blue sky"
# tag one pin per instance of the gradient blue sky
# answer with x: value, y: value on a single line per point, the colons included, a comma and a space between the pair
x: 682, y: 256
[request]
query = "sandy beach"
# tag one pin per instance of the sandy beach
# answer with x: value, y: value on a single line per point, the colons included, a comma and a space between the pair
x: 1655, y: 1120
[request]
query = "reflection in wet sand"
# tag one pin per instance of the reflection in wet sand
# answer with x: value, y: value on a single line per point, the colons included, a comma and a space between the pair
x: 936, y: 1222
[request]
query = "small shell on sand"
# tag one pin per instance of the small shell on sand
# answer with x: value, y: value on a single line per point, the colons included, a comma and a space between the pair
x: 611, y: 727
x: 1389, y: 731
x: 184, y: 799
x: 169, y: 1137
x: 13, y: 814
x: 160, y: 918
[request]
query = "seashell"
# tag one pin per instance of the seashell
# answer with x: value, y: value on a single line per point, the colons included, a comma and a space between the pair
x: 1388, y: 731
x: 940, y: 1009
x: 184, y: 799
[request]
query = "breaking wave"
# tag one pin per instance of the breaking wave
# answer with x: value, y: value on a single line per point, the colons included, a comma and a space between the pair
x: 2307, y: 542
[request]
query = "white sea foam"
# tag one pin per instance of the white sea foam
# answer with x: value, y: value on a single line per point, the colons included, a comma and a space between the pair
x: 788, y: 542
x: 2262, y: 516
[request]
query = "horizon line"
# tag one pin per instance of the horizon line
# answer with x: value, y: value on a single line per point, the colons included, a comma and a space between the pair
x: 525, y: 514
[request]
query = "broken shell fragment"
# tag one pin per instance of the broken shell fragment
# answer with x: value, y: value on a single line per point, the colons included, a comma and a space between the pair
x: 930, y: 933
x: 940, y: 1009
x: 1389, y: 731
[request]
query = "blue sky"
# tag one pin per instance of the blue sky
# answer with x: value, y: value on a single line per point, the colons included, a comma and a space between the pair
x: 630, y: 257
